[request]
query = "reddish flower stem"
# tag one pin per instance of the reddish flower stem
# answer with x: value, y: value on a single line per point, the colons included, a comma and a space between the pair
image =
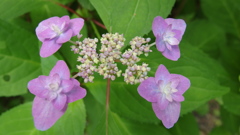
x: 107, y: 103
x: 86, y: 19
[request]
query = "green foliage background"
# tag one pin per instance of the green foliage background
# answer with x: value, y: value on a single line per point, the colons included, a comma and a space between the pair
x: 210, y: 56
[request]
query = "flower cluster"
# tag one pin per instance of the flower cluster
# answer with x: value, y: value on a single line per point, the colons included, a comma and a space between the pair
x: 52, y: 95
x: 54, y: 92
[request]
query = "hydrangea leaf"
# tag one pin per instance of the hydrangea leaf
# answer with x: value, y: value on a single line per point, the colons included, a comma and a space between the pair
x: 229, y: 120
x: 19, y: 57
x: 45, y: 11
x: 72, y: 122
x: 224, y: 13
x: 203, y: 72
x: 231, y: 102
x: 13, y: 8
x: 180, y: 127
x: 131, y: 17
x: 210, y: 42
x: 86, y: 4
x: 117, y: 124
x: 47, y: 64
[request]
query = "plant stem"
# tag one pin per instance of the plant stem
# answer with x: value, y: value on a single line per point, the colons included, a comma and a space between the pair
x: 107, y: 103
x: 152, y: 44
x: 75, y: 76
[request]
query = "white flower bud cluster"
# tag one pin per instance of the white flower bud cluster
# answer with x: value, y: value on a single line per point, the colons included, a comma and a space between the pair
x: 111, y: 45
x: 88, y: 58
x: 130, y: 56
x: 135, y: 74
x: 109, y: 71
x: 110, y: 52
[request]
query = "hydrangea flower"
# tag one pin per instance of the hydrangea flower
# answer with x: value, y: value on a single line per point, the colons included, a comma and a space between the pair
x: 168, y: 33
x: 52, y: 95
x: 165, y: 92
x: 55, y: 31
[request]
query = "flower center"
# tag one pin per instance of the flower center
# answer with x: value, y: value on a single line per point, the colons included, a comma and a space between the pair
x: 167, y: 90
x: 169, y: 37
x: 54, y: 86
x: 56, y: 29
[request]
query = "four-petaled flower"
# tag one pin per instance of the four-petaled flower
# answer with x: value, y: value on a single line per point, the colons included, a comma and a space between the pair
x: 55, y: 31
x: 53, y: 93
x: 165, y: 92
x: 168, y: 33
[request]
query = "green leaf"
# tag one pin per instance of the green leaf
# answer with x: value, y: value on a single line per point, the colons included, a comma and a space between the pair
x: 230, y: 121
x: 186, y: 125
x: 220, y: 131
x: 209, y: 42
x: 86, y: 4
x: 124, y: 99
x: 19, y: 57
x: 48, y: 63
x: 131, y: 18
x: 224, y: 13
x: 19, y: 120
x: 45, y: 11
x: 10, y: 9
x: 117, y: 124
x: 231, y: 102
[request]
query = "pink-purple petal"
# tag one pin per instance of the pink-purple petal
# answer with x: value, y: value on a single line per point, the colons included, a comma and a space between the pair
x: 174, y: 54
x: 170, y: 115
x: 160, y: 44
x: 75, y: 94
x: 159, y: 26
x: 75, y: 82
x: 177, y: 24
x: 60, y: 101
x: 45, y: 114
x: 64, y: 37
x: 61, y: 69
x: 178, y: 35
x: 65, y: 18
x: 47, y: 34
x: 36, y: 88
x: 67, y: 85
x: 183, y: 85
x: 49, y: 47
x: 178, y: 98
x: 162, y: 73
x: 76, y: 25
x: 174, y: 81
x: 162, y: 102
x: 149, y: 90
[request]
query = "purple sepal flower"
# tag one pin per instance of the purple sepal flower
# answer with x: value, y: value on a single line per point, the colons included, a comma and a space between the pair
x: 165, y: 91
x: 55, y: 31
x: 53, y: 93
x: 168, y: 33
